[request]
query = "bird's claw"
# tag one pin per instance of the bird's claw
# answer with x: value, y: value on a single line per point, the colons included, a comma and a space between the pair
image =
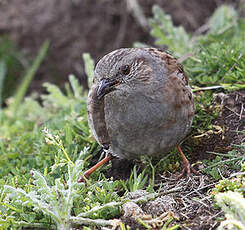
x: 187, y: 169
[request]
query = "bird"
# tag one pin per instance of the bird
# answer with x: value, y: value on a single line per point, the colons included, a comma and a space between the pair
x: 140, y: 103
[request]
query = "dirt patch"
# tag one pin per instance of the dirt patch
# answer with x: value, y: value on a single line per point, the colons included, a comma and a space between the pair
x: 226, y: 128
x: 186, y: 201
x: 233, y: 115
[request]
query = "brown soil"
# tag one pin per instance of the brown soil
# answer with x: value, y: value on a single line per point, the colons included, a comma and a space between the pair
x: 189, y: 204
x: 229, y: 123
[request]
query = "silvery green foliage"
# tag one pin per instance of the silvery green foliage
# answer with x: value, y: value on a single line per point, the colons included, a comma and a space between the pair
x: 76, y: 87
x: 233, y: 204
x: 165, y: 33
x: 223, y: 18
x: 55, y: 201
x: 89, y: 68
x: 2, y: 77
x: 55, y: 97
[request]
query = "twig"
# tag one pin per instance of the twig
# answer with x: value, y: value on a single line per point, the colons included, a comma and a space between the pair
x: 207, y: 186
x: 178, y: 189
x: 237, y: 174
x: 241, y: 112
x: 33, y: 225
x: 208, y: 88
x: 235, y: 64
x: 202, y: 203
x: 222, y: 177
x: 81, y: 220
x: 219, y: 154
x: 214, y: 216
x: 184, y: 57
x: 234, y: 112
x: 191, y: 204
x: 97, y: 208
x: 220, y: 162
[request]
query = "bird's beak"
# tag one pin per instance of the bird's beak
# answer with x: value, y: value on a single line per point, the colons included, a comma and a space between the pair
x: 106, y: 86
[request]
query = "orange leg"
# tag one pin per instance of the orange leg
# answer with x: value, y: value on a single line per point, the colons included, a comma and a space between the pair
x: 95, y: 167
x: 186, y: 165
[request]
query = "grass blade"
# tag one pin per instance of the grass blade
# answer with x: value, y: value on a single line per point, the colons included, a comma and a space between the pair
x: 2, y: 77
x: 89, y: 68
x: 21, y: 91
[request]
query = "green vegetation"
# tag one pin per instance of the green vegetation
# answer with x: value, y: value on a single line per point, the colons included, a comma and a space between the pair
x: 136, y: 182
x: 44, y: 148
x: 223, y: 162
x: 12, y: 65
x: 217, y: 56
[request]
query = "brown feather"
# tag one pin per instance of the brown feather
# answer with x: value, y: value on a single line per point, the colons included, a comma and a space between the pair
x: 96, y: 116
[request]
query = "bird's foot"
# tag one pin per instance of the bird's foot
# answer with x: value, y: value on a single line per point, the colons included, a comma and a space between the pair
x: 186, y: 166
x: 187, y: 170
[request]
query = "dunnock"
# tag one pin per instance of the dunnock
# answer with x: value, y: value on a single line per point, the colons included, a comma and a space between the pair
x: 140, y: 103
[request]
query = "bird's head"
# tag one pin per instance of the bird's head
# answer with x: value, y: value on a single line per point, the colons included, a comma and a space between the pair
x: 124, y: 66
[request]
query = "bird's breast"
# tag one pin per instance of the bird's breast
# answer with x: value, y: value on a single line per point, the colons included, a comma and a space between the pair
x: 144, y: 121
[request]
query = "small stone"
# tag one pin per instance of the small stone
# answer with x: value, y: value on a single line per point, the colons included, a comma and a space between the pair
x: 131, y: 209
x: 160, y: 205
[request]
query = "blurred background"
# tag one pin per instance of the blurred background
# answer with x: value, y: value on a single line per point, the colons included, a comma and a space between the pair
x: 77, y: 26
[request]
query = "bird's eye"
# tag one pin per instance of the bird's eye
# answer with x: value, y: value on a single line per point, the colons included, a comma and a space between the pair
x: 125, y: 69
